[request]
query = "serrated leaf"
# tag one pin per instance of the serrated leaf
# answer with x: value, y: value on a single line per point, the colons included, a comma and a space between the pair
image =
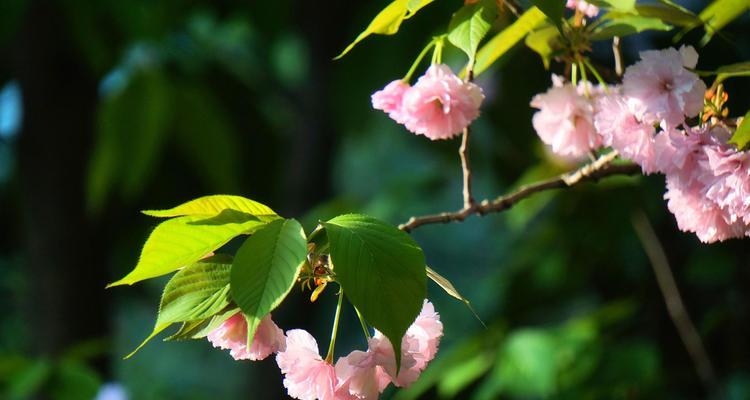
x: 381, y: 271
x: 741, y: 136
x: 386, y: 22
x: 183, y: 240
x: 625, y: 24
x: 494, y: 49
x: 266, y: 268
x: 195, y: 293
x: 541, y: 41
x: 553, y: 9
x: 214, y: 205
x: 470, y: 24
x: 719, y: 14
x: 201, y: 328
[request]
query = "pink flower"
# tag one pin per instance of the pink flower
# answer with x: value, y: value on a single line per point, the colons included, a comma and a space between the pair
x: 232, y: 335
x: 622, y: 130
x: 565, y: 121
x: 390, y: 98
x: 359, y: 376
x: 440, y: 105
x: 661, y: 90
x: 307, y: 375
x: 696, y: 213
x: 418, y: 347
x: 729, y: 186
x: 587, y: 9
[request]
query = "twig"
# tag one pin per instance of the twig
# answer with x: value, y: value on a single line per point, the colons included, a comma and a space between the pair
x: 463, y: 152
x: 675, y: 306
x: 594, y: 171
x: 618, y: 55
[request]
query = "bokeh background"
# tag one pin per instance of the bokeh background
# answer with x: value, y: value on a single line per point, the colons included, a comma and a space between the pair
x: 110, y: 107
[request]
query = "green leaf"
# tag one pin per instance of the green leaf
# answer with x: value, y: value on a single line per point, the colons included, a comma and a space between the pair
x: 201, y: 328
x: 741, y: 136
x: 470, y: 24
x: 505, y: 40
x: 265, y: 269
x: 183, y: 240
x: 669, y: 13
x: 210, y: 206
x: 448, y: 287
x: 541, y: 41
x: 733, y: 70
x: 625, y: 24
x: 553, y: 9
x: 131, y: 121
x: 719, y: 14
x: 196, y: 292
x: 619, y: 5
x: 386, y: 22
x: 381, y: 271
x: 415, y: 5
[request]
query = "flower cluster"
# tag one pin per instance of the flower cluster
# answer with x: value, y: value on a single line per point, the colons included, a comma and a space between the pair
x: 359, y: 375
x: 586, y: 8
x: 647, y: 121
x: 439, y: 106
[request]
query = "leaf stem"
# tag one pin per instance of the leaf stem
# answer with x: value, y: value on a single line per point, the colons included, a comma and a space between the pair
x: 574, y: 73
x: 329, y: 356
x: 363, y: 323
x: 421, y: 56
x: 596, y: 75
x: 584, y: 78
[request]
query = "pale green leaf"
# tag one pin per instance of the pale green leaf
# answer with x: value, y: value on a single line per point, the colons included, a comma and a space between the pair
x: 619, y: 5
x: 196, y: 292
x: 201, y: 328
x: 624, y: 24
x: 214, y: 205
x: 266, y: 268
x: 669, y: 14
x: 733, y: 70
x: 381, y: 271
x: 553, y: 9
x: 415, y: 5
x: 505, y: 40
x: 542, y: 42
x: 719, y: 14
x: 448, y: 287
x: 470, y: 24
x: 183, y: 240
x: 386, y: 22
x: 741, y: 136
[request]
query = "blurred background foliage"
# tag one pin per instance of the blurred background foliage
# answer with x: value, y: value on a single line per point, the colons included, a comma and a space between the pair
x: 110, y: 107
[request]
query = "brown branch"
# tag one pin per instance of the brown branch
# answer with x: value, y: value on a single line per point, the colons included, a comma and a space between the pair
x: 675, y: 306
x: 594, y: 171
x: 618, y: 55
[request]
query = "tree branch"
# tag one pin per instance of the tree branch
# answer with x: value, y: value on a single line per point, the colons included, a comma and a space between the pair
x: 675, y: 307
x: 463, y: 152
x: 593, y: 171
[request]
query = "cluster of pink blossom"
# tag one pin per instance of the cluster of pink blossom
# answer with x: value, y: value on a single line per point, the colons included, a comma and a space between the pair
x: 586, y: 8
x: 359, y: 375
x: 440, y: 105
x: 646, y: 121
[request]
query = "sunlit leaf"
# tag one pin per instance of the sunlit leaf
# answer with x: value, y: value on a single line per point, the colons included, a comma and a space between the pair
x: 733, y: 70
x: 266, y: 268
x: 381, y: 270
x: 619, y: 5
x: 448, y: 287
x: 415, y: 5
x: 386, y: 22
x: 624, y: 25
x: 470, y: 24
x: 183, y: 240
x: 741, y: 136
x: 194, y: 293
x: 541, y: 41
x: 719, y: 14
x: 505, y: 40
x: 215, y: 204
x: 553, y: 9
x: 669, y: 13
